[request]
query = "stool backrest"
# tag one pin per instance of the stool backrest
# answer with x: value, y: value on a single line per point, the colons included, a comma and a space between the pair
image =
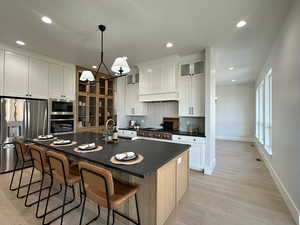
x: 38, y: 155
x: 21, y: 149
x: 60, y: 166
x: 97, y: 178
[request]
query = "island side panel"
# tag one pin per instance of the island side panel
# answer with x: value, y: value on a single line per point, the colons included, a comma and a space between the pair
x: 166, y: 191
x: 146, y: 199
x: 182, y: 177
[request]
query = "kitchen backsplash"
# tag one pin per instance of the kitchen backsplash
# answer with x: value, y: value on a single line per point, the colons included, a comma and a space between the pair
x: 158, y: 110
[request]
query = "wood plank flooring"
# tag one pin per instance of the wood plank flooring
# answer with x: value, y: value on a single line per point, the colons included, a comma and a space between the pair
x: 240, y: 192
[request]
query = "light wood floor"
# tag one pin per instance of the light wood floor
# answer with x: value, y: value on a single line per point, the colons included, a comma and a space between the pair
x: 240, y: 192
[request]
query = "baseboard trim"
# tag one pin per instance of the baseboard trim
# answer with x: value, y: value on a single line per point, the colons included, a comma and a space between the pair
x: 282, y: 189
x: 245, y: 139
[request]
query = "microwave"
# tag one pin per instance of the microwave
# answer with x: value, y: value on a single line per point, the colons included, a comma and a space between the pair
x: 61, y: 107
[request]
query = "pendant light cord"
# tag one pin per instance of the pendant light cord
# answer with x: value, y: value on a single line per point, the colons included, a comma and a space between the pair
x: 102, y: 29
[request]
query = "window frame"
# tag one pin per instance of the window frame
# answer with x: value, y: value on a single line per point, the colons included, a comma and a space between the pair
x: 263, y: 129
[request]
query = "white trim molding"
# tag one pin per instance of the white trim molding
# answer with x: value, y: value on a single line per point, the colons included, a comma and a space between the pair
x: 282, y: 189
x: 244, y: 139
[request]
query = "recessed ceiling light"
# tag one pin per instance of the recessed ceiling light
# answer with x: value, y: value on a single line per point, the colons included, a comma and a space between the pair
x: 94, y: 67
x: 233, y: 80
x: 21, y: 43
x: 169, y: 45
x: 46, y: 19
x: 231, y: 68
x: 241, y: 24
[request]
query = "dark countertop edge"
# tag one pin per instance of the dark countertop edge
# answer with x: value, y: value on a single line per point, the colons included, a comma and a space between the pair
x: 109, y: 166
x: 183, y: 133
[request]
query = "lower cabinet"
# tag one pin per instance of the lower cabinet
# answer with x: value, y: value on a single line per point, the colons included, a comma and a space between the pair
x: 197, y: 152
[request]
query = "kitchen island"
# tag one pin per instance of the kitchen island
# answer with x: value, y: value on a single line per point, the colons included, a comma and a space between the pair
x: 162, y: 176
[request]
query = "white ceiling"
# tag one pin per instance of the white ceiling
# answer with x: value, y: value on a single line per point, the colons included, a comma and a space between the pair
x: 139, y: 29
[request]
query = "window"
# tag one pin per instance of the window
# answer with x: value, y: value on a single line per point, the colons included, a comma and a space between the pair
x: 264, y: 112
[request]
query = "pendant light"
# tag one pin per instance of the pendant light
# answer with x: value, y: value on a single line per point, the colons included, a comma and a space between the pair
x: 120, y: 65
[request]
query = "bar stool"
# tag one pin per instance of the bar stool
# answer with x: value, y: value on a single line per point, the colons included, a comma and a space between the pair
x: 41, y: 164
x: 65, y: 175
x: 100, y: 187
x: 23, y: 155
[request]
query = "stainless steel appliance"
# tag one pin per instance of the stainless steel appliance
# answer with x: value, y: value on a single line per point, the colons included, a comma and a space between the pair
x: 19, y: 118
x: 154, y: 133
x: 61, y: 107
x: 61, y: 116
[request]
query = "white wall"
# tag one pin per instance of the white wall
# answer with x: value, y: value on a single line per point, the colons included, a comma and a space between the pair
x: 235, y: 112
x: 284, y: 60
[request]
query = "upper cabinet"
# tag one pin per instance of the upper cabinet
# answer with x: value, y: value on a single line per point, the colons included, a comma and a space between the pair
x: 62, y: 81
x: 133, y: 106
x: 192, y: 89
x: 158, y: 80
x: 35, y: 77
x: 196, y: 67
x: 16, y: 72
x: 69, y: 82
x: 56, y: 81
x: 38, y: 74
x: 1, y: 70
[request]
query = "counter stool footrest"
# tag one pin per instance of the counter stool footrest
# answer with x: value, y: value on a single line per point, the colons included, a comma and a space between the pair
x: 45, y: 188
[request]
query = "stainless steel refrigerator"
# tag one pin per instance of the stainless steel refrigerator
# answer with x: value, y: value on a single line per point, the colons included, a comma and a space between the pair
x: 19, y: 118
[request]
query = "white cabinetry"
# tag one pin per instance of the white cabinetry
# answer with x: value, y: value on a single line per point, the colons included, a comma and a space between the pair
x: 197, y: 153
x: 1, y: 71
x: 16, y: 72
x: 192, y: 96
x: 38, y: 78
x: 133, y: 106
x: 26, y: 75
x: 61, y: 82
x: 158, y: 80
x: 69, y: 83
x: 56, y: 81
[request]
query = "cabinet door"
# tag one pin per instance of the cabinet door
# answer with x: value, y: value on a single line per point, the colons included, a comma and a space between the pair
x: 69, y: 83
x: 198, y: 67
x: 184, y: 96
x: 38, y: 78
x: 16, y: 74
x: 185, y: 69
x: 168, y: 77
x: 56, y: 81
x: 131, y: 95
x: 1, y: 71
x: 197, y: 157
x: 198, y: 95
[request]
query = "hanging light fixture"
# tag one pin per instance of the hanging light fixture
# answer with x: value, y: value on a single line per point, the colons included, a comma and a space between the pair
x: 120, y: 65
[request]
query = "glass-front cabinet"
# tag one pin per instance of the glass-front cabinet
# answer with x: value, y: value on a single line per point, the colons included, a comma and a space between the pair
x: 95, y: 102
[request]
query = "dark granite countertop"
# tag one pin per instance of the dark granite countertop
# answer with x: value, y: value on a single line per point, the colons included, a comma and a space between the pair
x: 156, y: 154
x: 184, y: 133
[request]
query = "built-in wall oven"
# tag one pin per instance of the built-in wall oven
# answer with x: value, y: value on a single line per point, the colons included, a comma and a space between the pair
x: 61, y: 116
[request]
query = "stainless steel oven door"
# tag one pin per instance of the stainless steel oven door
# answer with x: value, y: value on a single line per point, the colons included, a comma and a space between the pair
x: 61, y: 107
x: 61, y: 126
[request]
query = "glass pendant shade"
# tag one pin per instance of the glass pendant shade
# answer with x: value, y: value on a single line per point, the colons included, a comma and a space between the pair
x: 87, y: 76
x: 120, y: 66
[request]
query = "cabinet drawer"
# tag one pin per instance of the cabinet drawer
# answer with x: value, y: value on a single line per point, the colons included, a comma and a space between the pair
x: 189, y: 139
